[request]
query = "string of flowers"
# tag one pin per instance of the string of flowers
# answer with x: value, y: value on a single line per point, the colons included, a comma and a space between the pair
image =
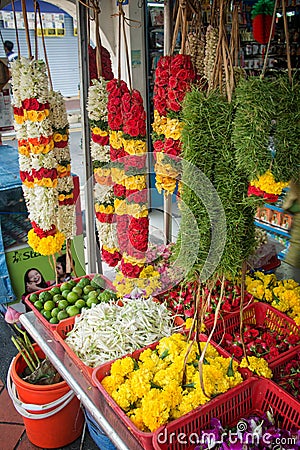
x: 65, y: 184
x: 38, y: 165
x: 173, y: 78
x: 103, y: 189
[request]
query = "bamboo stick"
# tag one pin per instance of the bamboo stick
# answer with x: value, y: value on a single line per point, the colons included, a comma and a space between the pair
x: 24, y: 11
x: 287, y: 42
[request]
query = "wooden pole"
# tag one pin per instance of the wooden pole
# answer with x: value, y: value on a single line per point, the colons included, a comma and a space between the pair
x: 24, y: 11
x: 287, y: 42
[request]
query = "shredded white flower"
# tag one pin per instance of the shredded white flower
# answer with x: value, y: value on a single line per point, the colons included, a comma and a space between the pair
x: 108, y: 331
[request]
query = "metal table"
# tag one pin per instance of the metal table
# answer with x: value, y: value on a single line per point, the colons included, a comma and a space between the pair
x: 90, y: 396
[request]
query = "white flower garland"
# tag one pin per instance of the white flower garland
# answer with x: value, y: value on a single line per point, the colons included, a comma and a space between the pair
x: 100, y: 152
x: 97, y: 101
x: 108, y: 234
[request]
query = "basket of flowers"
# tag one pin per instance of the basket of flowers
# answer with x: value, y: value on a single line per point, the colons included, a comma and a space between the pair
x: 286, y: 373
x: 267, y: 333
x: 160, y: 383
x: 255, y: 414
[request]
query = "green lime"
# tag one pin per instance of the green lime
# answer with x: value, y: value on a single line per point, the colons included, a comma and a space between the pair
x: 62, y: 304
x: 45, y: 295
x: 90, y: 301
x: 62, y: 315
x: 83, y: 282
x: 65, y: 293
x: 93, y: 294
x: 72, y: 283
x: 54, y: 312
x: 57, y: 298
x: 33, y: 298
x: 73, y: 311
x: 55, y: 290
x: 66, y: 286
x: 105, y: 296
x: 54, y: 320
x: 87, y: 289
x: 72, y: 297
x: 48, y: 305
x: 77, y: 290
x: 47, y: 314
x: 38, y: 305
x: 80, y: 303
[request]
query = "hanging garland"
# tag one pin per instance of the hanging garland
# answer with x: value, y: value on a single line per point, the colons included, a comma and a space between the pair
x: 266, y: 133
x: 107, y: 72
x: 38, y: 166
x: 65, y: 185
x: 173, y: 78
x: 103, y: 190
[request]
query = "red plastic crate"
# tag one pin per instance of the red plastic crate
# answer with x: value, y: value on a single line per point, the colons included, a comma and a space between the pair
x: 260, y: 314
x: 61, y: 332
x: 107, y: 285
x: 102, y: 371
x: 278, y: 365
x: 253, y: 396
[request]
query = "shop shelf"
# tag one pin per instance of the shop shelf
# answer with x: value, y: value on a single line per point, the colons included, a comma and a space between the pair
x: 260, y: 314
x: 254, y: 396
x: 99, y: 373
x: 106, y: 284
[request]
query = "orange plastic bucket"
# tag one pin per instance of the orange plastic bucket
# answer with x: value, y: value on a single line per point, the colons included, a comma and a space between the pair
x: 46, y: 431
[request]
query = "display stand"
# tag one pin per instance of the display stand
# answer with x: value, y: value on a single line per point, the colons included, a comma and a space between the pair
x: 90, y: 396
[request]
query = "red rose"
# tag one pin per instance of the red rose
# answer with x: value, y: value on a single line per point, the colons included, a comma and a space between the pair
x: 130, y: 270
x: 43, y: 233
x: 105, y: 218
x: 31, y: 104
x: 134, y: 161
x: 61, y: 144
x: 101, y: 140
x: 189, y: 312
x: 172, y: 147
x: 293, y: 339
x: 119, y: 190
x: 111, y: 259
x: 237, y: 351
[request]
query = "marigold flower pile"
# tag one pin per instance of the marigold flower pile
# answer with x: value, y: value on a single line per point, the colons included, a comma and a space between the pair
x: 150, y: 390
x: 39, y: 168
x: 173, y: 78
x: 281, y: 294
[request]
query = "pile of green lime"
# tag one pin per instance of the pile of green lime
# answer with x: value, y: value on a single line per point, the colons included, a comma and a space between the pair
x: 69, y: 298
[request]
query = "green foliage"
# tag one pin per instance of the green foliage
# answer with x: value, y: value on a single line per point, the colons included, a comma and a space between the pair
x: 207, y: 144
x: 263, y: 7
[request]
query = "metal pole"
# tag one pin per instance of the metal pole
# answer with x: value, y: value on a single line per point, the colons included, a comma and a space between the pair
x: 167, y: 198
x: 91, y: 246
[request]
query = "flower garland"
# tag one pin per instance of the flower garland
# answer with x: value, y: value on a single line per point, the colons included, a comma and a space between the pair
x: 65, y: 185
x: 38, y: 166
x: 173, y: 78
x: 150, y: 390
x: 134, y: 182
x: 283, y: 295
x: 103, y: 190
x: 107, y: 73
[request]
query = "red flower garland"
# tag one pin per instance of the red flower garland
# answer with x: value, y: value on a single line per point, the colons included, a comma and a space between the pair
x: 139, y: 233
x: 115, y: 90
x: 162, y: 74
x: 134, y: 115
x: 253, y: 190
x: 107, y: 72
x: 111, y: 259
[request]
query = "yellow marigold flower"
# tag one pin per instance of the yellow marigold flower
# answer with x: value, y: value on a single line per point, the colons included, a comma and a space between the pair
x: 165, y: 183
x: 115, y: 139
x: 57, y: 137
x: 48, y: 245
x: 98, y: 131
x: 19, y: 119
x: 173, y: 129
x: 24, y: 150
x: 112, y: 382
x: 110, y: 250
x: 140, y: 382
x: 135, y: 182
x: 134, y: 147
x: 118, y: 175
x: 155, y: 409
x: 132, y: 260
x: 258, y: 366
x: 136, y: 416
x: 120, y: 206
x: 124, y: 396
x: 267, y: 183
x: 122, y: 367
